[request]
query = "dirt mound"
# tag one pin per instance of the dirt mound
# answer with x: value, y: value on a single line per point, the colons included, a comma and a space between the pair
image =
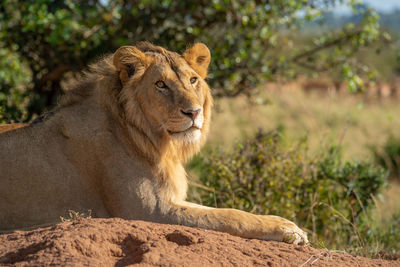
x: 117, y: 242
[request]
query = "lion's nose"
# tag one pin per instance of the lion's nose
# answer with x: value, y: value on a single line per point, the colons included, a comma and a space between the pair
x: 191, y: 113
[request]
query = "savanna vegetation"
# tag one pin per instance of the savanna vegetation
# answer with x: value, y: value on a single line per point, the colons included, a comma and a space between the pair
x: 316, y: 162
x: 331, y: 197
x: 328, y: 162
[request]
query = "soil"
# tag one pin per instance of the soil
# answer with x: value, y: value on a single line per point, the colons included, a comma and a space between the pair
x: 117, y: 242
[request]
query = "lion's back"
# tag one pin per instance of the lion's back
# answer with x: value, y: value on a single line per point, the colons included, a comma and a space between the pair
x: 9, y: 127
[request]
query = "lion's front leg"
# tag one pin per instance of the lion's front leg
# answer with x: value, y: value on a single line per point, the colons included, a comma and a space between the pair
x: 236, y: 222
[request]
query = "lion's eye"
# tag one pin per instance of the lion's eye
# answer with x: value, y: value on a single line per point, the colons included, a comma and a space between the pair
x: 161, y: 84
x: 193, y: 80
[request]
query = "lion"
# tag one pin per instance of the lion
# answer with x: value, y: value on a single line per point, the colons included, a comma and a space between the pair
x: 116, y: 145
x: 9, y: 127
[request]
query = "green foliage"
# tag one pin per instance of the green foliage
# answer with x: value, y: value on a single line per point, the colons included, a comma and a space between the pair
x: 251, y: 41
x: 384, y: 237
x: 13, y: 76
x: 329, y: 197
x: 389, y: 156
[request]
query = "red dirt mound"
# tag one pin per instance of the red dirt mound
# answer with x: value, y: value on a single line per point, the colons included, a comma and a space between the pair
x: 117, y: 242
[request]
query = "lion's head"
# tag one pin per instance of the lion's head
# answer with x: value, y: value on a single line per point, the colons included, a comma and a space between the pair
x: 160, y: 97
x: 164, y: 95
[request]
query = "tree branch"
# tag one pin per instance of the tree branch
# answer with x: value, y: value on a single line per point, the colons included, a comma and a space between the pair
x: 326, y: 45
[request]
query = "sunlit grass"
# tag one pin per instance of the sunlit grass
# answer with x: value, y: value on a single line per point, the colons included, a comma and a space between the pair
x: 348, y: 121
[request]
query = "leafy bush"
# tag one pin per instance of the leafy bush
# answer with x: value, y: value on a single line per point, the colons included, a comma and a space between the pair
x: 383, y: 236
x: 330, y: 198
x: 13, y: 77
x: 251, y: 41
x: 389, y: 156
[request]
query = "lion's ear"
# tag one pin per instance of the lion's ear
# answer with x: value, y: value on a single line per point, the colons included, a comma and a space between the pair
x: 128, y: 60
x: 198, y: 56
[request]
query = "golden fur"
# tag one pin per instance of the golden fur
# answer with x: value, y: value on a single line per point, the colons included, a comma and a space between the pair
x: 8, y: 127
x: 116, y: 145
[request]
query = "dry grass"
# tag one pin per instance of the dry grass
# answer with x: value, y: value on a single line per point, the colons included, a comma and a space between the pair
x: 390, y: 201
x: 345, y: 120
x: 348, y: 121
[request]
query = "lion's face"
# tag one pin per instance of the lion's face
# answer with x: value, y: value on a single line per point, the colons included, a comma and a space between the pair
x: 176, y: 99
x: 169, y: 89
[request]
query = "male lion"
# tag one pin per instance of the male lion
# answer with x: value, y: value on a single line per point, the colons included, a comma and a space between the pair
x: 116, y: 145
x: 9, y: 127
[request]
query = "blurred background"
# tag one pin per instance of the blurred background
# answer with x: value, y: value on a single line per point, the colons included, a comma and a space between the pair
x: 306, y: 122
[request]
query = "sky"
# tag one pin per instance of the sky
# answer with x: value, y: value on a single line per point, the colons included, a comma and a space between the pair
x: 379, y: 5
x: 384, y: 5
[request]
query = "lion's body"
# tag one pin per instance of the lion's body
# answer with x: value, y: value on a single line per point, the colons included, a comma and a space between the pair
x: 8, y: 127
x: 116, y: 146
x: 48, y: 174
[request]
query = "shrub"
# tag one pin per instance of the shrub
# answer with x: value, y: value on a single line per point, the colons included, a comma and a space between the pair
x: 330, y: 198
x: 389, y: 156
x: 384, y: 237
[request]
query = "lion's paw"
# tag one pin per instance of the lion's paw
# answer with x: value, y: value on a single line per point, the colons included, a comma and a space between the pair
x: 284, y: 230
x: 292, y: 234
